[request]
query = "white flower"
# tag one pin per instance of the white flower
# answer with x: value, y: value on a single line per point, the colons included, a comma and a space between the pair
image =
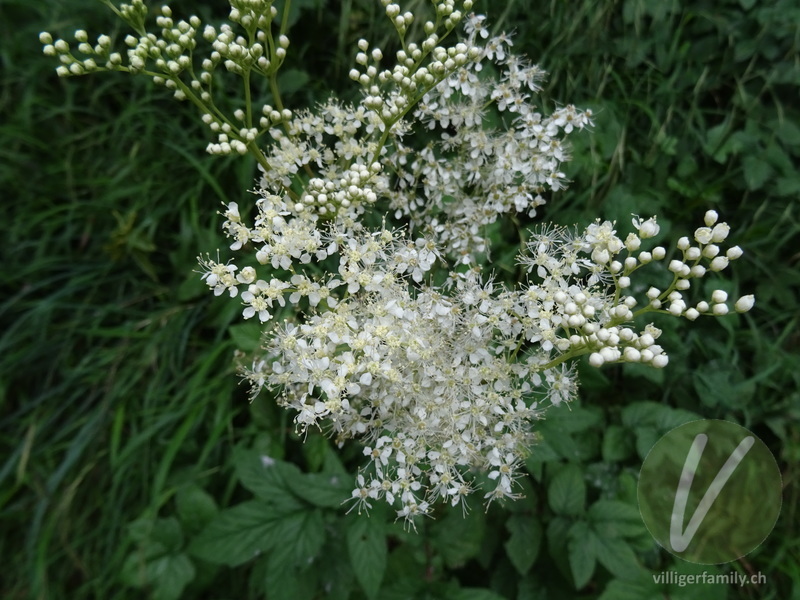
x: 647, y: 229
x: 745, y: 303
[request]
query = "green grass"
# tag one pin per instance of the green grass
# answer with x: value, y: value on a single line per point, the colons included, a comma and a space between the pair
x: 116, y: 366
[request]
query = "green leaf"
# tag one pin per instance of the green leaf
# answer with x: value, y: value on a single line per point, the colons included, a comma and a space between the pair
x: 167, y: 575
x: 715, y: 145
x: 315, y: 449
x: 617, y: 556
x: 646, y: 438
x: 239, y: 534
x: 615, y: 518
x: 294, y: 11
x: 195, y: 506
x: 566, y: 493
x: 617, y: 443
x: 291, y: 81
x: 474, y: 594
x: 532, y: 588
x: 698, y: 590
x: 557, y: 538
x: 788, y: 132
x: 543, y: 451
x: 522, y: 547
x: 628, y: 590
x: 787, y: 186
x: 288, y: 579
x: 573, y: 419
x: 336, y: 577
x: 581, y: 546
x: 631, y: 370
x: 756, y: 172
x: 304, y: 532
x: 663, y: 417
x: 246, y: 336
x: 459, y: 538
x: 267, y: 478
x: 366, y: 545
x: 325, y: 490
x: 168, y: 533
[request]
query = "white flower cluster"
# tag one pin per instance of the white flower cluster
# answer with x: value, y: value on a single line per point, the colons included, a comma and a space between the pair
x: 439, y: 380
x: 172, y: 60
x: 439, y: 371
x: 490, y: 170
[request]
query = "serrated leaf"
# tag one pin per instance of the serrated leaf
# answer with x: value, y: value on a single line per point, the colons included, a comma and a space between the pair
x: 246, y: 336
x: 787, y: 186
x: 627, y: 590
x: 654, y: 414
x: 195, y: 506
x: 624, y: 519
x: 617, y: 443
x: 288, y: 579
x: 531, y: 588
x: 523, y: 545
x: 552, y: 446
x: 336, y: 577
x: 566, y: 493
x: 239, y: 534
x: 315, y: 448
x: 168, y: 575
x: 557, y: 530
x: 616, y: 555
x: 366, y: 545
x: 646, y: 438
x: 715, y: 145
x: 172, y: 574
x: 156, y: 536
x: 647, y: 372
x: 573, y: 419
x: 582, y: 549
x: 295, y: 10
x: 267, y: 478
x: 788, y: 132
x: 756, y: 172
x: 474, y: 594
x: 292, y: 80
x: 304, y: 533
x: 321, y: 489
x: 458, y: 538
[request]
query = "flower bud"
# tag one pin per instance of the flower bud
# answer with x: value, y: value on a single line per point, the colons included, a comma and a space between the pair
x: 745, y: 303
x: 734, y: 252
x: 719, y: 296
x: 596, y: 359
x: 702, y: 235
x: 719, y: 263
x: 720, y: 232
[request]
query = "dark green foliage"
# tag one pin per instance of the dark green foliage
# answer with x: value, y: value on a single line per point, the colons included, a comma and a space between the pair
x: 132, y: 464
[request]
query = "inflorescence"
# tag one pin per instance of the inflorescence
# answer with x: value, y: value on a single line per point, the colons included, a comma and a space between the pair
x: 436, y: 380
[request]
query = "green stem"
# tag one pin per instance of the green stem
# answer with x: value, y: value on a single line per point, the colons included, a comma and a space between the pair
x: 285, y: 18
x: 247, y: 101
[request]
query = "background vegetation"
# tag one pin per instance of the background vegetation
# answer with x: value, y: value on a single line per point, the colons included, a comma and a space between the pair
x: 125, y: 436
